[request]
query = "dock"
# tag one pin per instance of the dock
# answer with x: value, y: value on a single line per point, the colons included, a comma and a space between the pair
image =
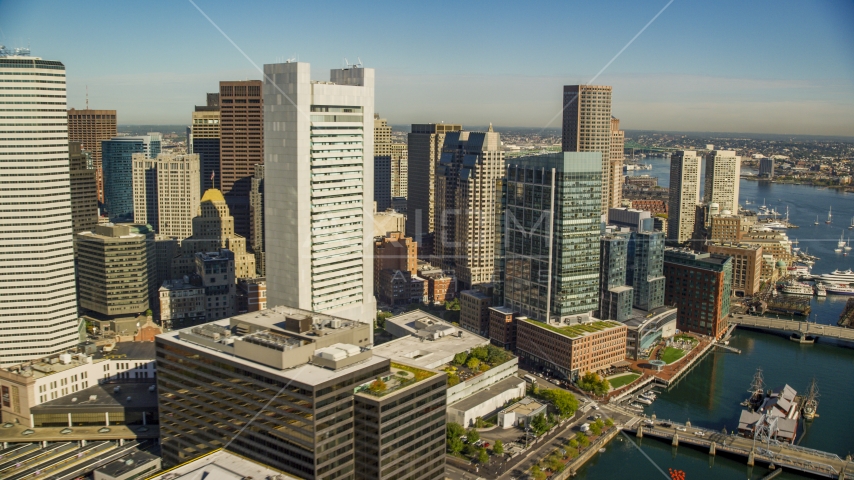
x: 781, y: 455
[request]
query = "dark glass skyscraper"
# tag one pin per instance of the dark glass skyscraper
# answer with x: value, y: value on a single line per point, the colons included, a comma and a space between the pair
x: 118, y: 171
x: 551, y: 235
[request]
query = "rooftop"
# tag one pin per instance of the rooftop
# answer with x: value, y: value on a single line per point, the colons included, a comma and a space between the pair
x: 641, y: 317
x: 103, y: 396
x: 487, y: 393
x: 427, y: 348
x: 221, y: 465
x: 580, y: 329
x: 127, y: 463
x: 66, y: 361
x: 524, y: 407
x: 401, y: 377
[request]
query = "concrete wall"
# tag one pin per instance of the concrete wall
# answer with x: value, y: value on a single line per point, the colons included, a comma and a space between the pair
x: 466, y: 418
x: 484, y: 380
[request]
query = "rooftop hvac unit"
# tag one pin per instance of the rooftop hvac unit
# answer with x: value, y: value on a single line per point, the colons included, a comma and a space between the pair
x: 92, y: 398
x: 117, y: 389
x: 65, y: 358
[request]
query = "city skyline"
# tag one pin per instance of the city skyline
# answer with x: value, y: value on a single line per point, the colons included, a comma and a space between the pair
x: 727, y: 74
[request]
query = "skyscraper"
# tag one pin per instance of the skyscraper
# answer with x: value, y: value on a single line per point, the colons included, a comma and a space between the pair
x: 587, y: 127
x: 700, y: 286
x: 615, y: 170
x: 319, y: 195
x: 615, y: 296
x: 241, y: 109
x: 39, y: 300
x: 645, y: 270
x: 470, y: 169
x: 256, y: 225
x: 84, y: 189
x: 166, y: 192
x: 723, y: 172
x: 551, y: 236
x: 396, y: 157
x: 382, y: 182
x: 424, y: 149
x: 118, y: 171
x: 205, y: 143
x: 90, y: 128
x: 684, y: 195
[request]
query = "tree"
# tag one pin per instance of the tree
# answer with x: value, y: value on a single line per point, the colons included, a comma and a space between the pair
x: 454, y: 430
x: 381, y: 318
x: 583, y: 441
x: 377, y: 386
x: 479, y: 423
x: 539, y: 424
x: 455, y: 445
x: 496, y: 356
x: 498, y: 447
x: 609, y: 422
x: 537, y: 473
x: 453, y: 305
x: 602, y: 387
x: 573, y: 444
x: 564, y: 402
x: 554, y: 462
x: 453, y: 380
x: 481, y: 353
x: 149, y: 313
x: 472, y: 435
x: 460, y: 358
x: 472, y: 363
x: 595, y: 429
x: 482, y: 457
x: 599, y: 423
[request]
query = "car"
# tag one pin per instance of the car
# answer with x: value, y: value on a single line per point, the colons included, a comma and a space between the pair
x: 700, y: 434
x: 486, y: 445
x: 595, y: 407
x: 682, y: 429
x: 598, y: 416
x: 666, y: 424
x: 478, y: 443
x: 465, y: 439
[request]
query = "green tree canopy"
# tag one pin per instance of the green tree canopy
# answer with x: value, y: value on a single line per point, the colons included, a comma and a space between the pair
x: 539, y: 424
x: 454, y: 430
x: 472, y: 435
x: 498, y: 447
x: 564, y: 402
x: 472, y: 363
x: 455, y: 445
x: 482, y: 457
x: 460, y: 358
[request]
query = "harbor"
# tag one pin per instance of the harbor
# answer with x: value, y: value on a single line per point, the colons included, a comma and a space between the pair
x: 709, y: 394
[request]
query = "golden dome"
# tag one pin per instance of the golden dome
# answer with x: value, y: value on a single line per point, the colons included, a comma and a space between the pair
x: 212, y: 195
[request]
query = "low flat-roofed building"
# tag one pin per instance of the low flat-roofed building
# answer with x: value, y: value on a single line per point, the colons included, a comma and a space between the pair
x: 647, y: 328
x: 592, y: 345
x: 520, y: 413
x: 221, y: 465
x: 31, y: 384
x: 101, y: 405
x: 486, y: 401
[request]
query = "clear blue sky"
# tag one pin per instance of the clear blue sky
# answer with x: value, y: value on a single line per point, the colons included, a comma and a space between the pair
x: 736, y: 66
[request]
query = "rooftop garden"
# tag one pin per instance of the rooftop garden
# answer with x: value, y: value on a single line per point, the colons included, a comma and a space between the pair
x: 471, y: 364
x: 578, y: 330
x: 401, y: 376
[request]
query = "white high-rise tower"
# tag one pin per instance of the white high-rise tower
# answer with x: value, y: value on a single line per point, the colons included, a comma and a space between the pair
x: 684, y: 195
x: 39, y: 298
x: 723, y: 172
x: 319, y: 175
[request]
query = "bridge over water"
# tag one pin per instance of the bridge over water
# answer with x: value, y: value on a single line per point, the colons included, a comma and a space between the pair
x: 794, y: 326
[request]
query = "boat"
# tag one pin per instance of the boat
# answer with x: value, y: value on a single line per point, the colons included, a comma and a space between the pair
x: 775, y: 225
x: 847, y: 246
x: 810, y: 404
x: 644, y: 401
x: 797, y: 288
x: 756, y: 390
x: 820, y: 291
x: 839, y: 289
x: 829, y: 216
x: 816, y: 220
x: 799, y: 270
x: 837, y: 276
x: 851, y: 227
x: 841, y: 242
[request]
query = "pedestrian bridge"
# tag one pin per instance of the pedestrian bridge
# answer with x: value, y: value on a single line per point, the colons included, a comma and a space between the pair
x: 794, y: 326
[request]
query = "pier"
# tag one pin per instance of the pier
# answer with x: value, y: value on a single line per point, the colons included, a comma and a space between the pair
x: 781, y: 455
x: 794, y: 326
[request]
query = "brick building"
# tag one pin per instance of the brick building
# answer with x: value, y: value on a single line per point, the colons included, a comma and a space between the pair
x: 700, y: 286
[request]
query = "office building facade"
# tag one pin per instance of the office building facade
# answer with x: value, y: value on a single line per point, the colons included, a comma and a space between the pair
x: 204, y: 142
x: 471, y: 166
x: 723, y: 175
x: 39, y: 301
x: 256, y: 219
x: 699, y: 285
x: 615, y: 169
x: 587, y: 128
x: 319, y: 204
x: 241, y: 108
x: 766, y: 167
x: 166, y: 192
x: 424, y: 144
x: 89, y: 128
x: 116, y: 269
x: 645, y: 271
x: 615, y: 296
x: 684, y: 195
x: 117, y: 154
x: 390, y: 166
x: 551, y: 235
x: 343, y: 413
x: 746, y: 266
x: 84, y: 189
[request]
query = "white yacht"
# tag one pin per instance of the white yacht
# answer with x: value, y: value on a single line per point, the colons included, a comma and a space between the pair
x: 829, y: 216
x: 837, y: 276
x: 819, y: 290
x: 839, y: 289
x: 797, y: 288
x: 847, y: 246
x: 841, y: 242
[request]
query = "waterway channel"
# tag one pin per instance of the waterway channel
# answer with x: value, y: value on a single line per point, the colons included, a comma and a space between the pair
x: 710, y: 394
